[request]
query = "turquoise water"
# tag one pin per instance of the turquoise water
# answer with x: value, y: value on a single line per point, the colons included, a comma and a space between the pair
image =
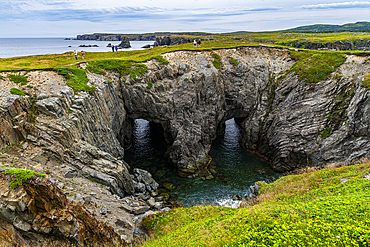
x: 236, y: 169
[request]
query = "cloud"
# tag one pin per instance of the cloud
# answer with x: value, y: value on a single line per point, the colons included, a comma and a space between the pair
x: 132, y: 13
x: 345, y: 5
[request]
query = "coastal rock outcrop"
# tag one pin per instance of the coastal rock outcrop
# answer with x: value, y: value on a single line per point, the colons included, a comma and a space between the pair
x: 339, y: 45
x: 38, y: 211
x: 169, y: 40
x: 125, y: 43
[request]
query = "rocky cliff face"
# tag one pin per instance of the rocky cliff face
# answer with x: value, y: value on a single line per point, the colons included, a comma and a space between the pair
x: 346, y: 45
x: 38, y: 211
x: 284, y: 119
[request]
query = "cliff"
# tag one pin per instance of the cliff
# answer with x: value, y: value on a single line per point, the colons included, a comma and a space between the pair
x: 296, y: 109
x: 283, y: 116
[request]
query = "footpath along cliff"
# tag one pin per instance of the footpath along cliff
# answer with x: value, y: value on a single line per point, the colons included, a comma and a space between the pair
x: 292, y: 115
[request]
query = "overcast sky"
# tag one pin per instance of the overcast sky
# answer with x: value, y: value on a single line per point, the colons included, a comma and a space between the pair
x: 67, y: 18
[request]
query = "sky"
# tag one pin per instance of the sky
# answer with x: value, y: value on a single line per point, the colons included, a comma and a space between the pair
x: 68, y: 18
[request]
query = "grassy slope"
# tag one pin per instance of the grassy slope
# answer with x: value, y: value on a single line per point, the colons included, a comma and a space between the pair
x: 67, y: 59
x: 312, y: 209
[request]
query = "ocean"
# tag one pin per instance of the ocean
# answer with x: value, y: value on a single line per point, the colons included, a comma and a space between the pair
x: 17, y: 47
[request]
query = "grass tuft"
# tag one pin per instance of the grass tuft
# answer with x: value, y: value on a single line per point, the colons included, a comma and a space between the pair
x: 216, y: 61
x: 17, y: 91
x: 18, y: 79
x: 21, y: 175
x: 366, y: 81
x: 160, y: 59
x: 233, y: 61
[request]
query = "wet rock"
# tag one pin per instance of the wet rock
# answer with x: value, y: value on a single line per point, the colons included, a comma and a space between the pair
x: 169, y: 186
x: 163, y: 197
x: 237, y: 198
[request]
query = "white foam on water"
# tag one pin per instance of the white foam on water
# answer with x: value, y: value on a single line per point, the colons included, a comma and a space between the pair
x: 228, y: 203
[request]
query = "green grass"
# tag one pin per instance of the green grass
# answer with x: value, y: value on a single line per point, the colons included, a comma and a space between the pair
x: 160, y: 59
x: 216, y: 61
x: 21, y: 175
x: 233, y: 61
x: 17, y: 91
x: 2, y: 78
x: 18, y: 79
x: 366, y: 81
x: 124, y: 67
x: 312, y: 209
x: 76, y: 79
x: 316, y: 66
x: 149, y: 86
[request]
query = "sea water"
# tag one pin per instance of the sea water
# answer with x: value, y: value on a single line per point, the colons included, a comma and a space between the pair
x: 16, y: 47
x: 236, y: 168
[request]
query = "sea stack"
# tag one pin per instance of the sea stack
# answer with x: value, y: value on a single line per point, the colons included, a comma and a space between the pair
x: 125, y: 43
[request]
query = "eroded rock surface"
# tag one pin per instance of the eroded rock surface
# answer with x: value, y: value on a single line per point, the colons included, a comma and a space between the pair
x: 38, y: 211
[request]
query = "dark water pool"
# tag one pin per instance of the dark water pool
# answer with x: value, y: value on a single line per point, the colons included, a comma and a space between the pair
x: 236, y: 169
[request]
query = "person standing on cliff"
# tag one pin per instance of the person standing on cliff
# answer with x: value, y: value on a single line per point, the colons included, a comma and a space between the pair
x: 198, y: 43
x: 116, y: 47
x: 75, y: 52
x: 195, y: 43
x: 83, y: 54
x: 112, y: 48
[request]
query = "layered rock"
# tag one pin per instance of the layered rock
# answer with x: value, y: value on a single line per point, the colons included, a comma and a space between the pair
x: 38, y: 211
x: 282, y: 117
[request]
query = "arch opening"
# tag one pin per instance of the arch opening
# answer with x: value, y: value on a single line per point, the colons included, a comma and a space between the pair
x: 231, y: 171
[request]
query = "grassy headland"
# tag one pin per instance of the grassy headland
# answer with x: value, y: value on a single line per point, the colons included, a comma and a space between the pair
x: 275, y: 39
x: 329, y: 207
